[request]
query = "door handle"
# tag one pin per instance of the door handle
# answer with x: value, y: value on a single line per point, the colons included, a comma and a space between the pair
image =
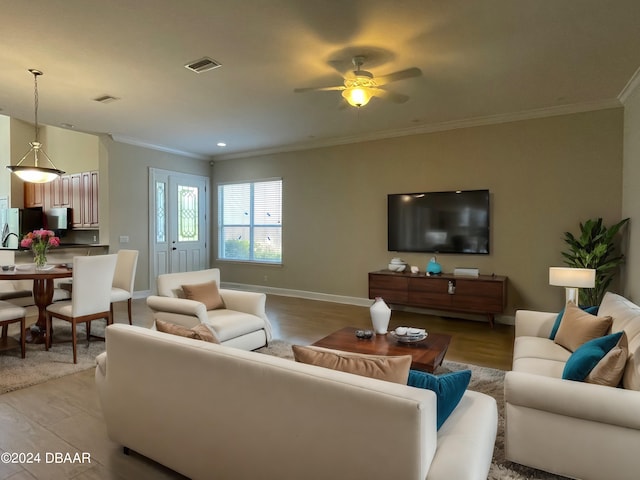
x: 174, y: 248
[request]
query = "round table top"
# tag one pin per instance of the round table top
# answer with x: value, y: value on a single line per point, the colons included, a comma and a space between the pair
x: 29, y: 272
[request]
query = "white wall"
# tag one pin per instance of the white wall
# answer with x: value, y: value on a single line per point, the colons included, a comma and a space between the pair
x: 631, y: 193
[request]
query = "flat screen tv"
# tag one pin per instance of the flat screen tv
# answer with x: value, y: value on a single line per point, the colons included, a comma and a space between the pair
x: 439, y: 222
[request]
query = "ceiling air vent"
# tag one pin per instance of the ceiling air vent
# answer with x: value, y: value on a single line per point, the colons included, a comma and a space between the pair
x: 106, y: 99
x: 202, y: 65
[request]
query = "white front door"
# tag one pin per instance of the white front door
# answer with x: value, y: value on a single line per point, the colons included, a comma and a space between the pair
x: 179, y: 231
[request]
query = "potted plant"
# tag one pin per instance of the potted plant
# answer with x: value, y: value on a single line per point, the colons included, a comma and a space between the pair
x: 595, y: 248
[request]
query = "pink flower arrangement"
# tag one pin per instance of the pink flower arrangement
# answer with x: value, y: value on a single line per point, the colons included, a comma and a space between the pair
x: 40, y: 240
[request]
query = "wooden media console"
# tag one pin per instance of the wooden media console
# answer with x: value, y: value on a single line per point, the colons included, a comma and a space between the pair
x: 485, y: 294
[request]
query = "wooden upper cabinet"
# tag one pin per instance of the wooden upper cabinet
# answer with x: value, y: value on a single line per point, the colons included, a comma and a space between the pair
x: 34, y: 194
x: 60, y: 192
x: 90, y: 199
x: 78, y: 191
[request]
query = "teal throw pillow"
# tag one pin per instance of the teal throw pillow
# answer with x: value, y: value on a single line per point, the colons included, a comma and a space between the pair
x: 556, y: 325
x: 588, y: 355
x: 448, y: 387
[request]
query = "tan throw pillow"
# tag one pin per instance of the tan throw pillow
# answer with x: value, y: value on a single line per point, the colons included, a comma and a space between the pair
x: 199, y: 332
x: 391, y: 369
x: 578, y: 327
x: 609, y: 370
x: 206, y: 293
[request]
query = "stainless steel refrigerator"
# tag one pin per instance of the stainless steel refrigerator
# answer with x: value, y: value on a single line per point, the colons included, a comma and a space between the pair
x: 16, y: 222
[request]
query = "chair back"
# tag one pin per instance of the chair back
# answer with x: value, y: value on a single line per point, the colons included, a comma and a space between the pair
x: 125, y: 273
x: 92, y: 279
x: 170, y: 284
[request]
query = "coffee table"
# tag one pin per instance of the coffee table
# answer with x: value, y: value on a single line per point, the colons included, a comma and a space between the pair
x: 427, y: 354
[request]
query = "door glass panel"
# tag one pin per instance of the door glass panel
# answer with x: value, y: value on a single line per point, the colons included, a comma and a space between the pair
x: 161, y: 213
x: 187, y: 213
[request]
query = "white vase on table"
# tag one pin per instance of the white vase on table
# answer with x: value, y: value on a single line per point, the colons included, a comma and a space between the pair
x: 380, y: 315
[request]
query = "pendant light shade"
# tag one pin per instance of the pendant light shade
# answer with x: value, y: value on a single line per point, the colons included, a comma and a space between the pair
x: 35, y: 173
x: 357, y: 96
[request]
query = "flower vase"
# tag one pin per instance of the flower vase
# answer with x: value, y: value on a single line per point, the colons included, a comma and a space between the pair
x: 40, y: 259
x: 380, y: 315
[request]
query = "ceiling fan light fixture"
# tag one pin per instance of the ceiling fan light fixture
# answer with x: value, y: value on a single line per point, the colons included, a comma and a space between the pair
x: 35, y: 173
x: 357, y: 96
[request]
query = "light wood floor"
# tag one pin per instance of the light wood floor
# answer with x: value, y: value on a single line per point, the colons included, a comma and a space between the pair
x: 63, y: 415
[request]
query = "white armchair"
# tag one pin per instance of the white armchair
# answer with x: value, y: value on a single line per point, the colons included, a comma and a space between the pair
x: 242, y: 323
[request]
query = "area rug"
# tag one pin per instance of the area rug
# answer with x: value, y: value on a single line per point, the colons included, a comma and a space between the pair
x: 485, y: 380
x: 40, y: 365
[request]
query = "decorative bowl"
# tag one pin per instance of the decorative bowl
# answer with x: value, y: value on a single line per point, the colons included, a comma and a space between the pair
x: 397, y: 267
x: 364, y: 334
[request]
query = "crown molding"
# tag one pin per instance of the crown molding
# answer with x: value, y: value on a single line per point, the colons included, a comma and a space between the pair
x: 631, y: 86
x: 138, y: 143
x: 433, y: 127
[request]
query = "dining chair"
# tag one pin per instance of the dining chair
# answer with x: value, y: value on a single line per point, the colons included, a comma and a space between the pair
x: 91, y: 299
x: 10, y: 313
x: 123, y: 279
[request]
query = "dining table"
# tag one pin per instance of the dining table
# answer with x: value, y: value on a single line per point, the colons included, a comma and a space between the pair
x: 43, y: 286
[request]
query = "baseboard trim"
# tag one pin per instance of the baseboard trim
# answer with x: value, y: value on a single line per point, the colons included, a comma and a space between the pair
x: 357, y: 301
x: 287, y: 292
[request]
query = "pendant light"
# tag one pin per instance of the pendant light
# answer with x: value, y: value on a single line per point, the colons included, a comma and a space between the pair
x: 35, y: 173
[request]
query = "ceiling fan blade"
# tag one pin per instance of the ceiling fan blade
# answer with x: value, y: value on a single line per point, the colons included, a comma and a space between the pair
x: 319, y: 89
x: 391, y: 96
x: 401, y: 75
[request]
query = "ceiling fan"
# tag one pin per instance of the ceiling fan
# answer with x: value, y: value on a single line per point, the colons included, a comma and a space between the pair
x: 360, y: 85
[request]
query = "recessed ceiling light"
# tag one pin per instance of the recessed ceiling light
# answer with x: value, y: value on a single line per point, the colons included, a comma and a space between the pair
x: 67, y: 125
x: 221, y: 144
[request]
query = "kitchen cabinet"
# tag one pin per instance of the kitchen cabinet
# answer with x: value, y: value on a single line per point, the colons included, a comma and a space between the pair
x: 34, y: 194
x: 485, y: 294
x: 84, y: 199
x: 78, y: 191
x: 60, y: 192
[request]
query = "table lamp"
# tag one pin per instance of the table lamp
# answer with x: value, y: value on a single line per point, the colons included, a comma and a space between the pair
x: 572, y: 279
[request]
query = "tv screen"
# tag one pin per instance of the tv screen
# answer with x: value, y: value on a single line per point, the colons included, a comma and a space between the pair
x: 439, y: 222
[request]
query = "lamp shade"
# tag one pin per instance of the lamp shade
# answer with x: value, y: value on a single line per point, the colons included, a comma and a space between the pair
x: 357, y: 96
x: 572, y: 277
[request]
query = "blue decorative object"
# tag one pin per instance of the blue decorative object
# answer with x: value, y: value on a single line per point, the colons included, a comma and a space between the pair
x: 433, y: 267
x: 587, y: 356
x: 448, y: 387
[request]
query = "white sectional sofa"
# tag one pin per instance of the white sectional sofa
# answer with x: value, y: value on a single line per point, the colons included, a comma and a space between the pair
x: 210, y: 411
x: 579, y: 430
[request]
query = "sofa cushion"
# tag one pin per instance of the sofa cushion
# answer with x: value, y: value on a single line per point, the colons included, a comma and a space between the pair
x: 448, y: 387
x: 626, y: 316
x: 230, y: 324
x: 206, y: 293
x: 610, y: 369
x: 539, y: 366
x: 199, y: 332
x: 604, y: 353
x: 539, y: 347
x: 392, y: 369
x: 578, y: 327
x: 556, y: 324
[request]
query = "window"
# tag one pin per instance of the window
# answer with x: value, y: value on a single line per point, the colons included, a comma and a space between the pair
x: 250, y: 221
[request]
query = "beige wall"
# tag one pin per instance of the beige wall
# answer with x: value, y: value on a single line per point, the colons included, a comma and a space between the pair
x: 631, y: 193
x: 5, y: 156
x: 128, y: 175
x: 20, y: 134
x: 70, y: 151
x: 545, y: 176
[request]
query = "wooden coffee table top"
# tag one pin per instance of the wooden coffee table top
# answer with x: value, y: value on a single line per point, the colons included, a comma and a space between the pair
x: 427, y: 354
